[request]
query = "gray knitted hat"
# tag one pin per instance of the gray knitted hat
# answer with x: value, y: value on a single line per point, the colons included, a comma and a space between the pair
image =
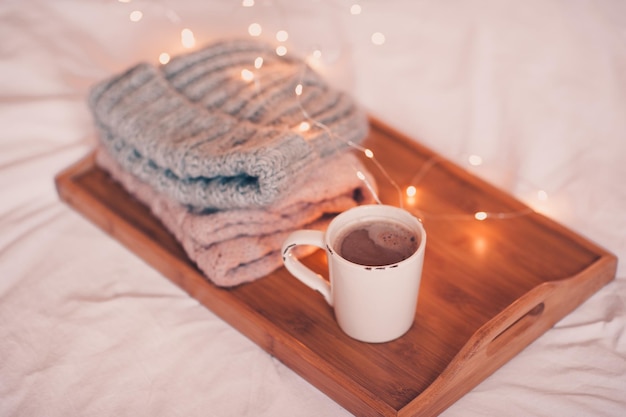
x: 197, y: 131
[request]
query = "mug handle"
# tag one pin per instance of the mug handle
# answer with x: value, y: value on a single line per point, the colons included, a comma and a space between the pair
x: 297, y: 268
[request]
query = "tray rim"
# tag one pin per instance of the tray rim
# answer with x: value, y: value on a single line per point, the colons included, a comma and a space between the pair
x: 307, y: 362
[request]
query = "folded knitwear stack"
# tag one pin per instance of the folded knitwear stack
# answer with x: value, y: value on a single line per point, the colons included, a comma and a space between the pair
x: 230, y: 164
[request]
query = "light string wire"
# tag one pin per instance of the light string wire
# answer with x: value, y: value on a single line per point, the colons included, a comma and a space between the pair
x: 367, y: 152
x: 188, y: 40
x: 415, y: 180
x: 478, y: 215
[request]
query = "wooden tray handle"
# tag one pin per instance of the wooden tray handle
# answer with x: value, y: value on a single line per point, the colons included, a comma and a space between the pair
x: 516, y: 328
x: 509, y: 332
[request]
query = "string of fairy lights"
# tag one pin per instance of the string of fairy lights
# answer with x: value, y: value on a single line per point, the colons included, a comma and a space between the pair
x: 407, y: 196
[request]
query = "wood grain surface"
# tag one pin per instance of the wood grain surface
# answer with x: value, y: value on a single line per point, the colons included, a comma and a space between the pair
x: 489, y: 288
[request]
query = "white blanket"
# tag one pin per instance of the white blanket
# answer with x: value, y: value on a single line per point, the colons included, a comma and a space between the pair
x: 535, y: 89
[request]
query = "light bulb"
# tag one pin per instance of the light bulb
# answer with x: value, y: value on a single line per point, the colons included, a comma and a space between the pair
x: 164, y: 58
x: 282, y: 36
x: 542, y: 195
x: 480, y: 215
x: 187, y: 39
x: 255, y: 29
x: 378, y: 38
x: 135, y: 16
x: 247, y: 75
x: 475, y: 160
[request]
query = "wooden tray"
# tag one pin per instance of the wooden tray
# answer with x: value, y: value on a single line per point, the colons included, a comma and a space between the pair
x: 489, y: 287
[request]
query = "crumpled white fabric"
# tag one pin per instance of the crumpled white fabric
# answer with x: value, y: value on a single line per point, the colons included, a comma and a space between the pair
x: 535, y: 88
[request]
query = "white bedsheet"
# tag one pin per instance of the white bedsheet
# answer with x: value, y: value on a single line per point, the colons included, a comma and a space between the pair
x: 536, y: 88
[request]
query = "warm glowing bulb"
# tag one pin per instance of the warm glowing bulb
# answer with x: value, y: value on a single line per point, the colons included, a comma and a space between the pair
x: 247, y: 3
x: 314, y: 59
x: 187, y: 38
x: 135, y: 16
x: 360, y: 175
x: 304, y: 126
x: 124, y: 1
x: 475, y: 160
x: 281, y: 50
x: 369, y: 153
x: 258, y: 62
x: 411, y: 191
x: 282, y: 36
x: 378, y: 38
x: 247, y: 75
x: 542, y: 195
x: 355, y: 9
x: 298, y: 89
x: 480, y: 215
x: 164, y: 58
x: 254, y: 29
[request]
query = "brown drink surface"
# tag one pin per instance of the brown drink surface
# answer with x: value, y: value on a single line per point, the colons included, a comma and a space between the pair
x: 377, y: 243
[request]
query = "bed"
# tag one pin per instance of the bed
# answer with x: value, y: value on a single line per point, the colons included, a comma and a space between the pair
x: 529, y: 96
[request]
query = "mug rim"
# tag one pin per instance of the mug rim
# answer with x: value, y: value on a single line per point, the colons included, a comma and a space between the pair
x: 416, y: 226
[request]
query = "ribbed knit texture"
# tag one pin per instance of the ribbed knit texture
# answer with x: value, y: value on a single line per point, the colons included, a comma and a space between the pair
x: 235, y: 246
x: 196, y: 131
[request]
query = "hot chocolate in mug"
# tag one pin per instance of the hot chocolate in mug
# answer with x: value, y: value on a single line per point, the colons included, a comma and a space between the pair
x: 375, y: 258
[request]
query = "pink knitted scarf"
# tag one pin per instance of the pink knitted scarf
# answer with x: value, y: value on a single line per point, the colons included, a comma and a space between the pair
x: 241, y: 245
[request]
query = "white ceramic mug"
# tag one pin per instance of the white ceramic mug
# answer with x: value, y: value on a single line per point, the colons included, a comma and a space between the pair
x: 371, y: 303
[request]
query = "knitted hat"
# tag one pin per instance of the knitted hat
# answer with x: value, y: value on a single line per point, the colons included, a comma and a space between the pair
x: 198, y: 131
